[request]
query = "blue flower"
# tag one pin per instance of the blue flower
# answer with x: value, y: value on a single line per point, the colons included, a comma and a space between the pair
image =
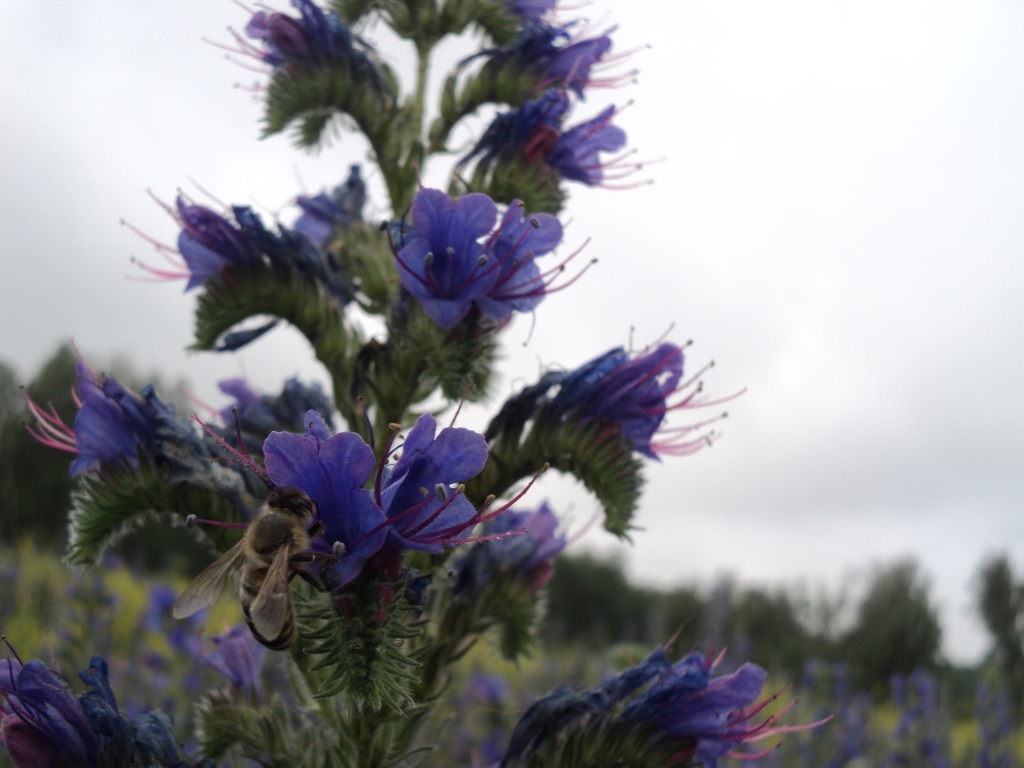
x: 316, y: 37
x: 712, y: 715
x: 110, y: 425
x: 547, y: 717
x: 322, y: 213
x: 575, y: 153
x: 632, y: 390
x: 43, y: 724
x: 529, y: 557
x: 530, y: 10
x: 332, y: 470
x: 420, y: 494
x: 259, y: 415
x: 239, y: 658
x: 560, y: 60
x: 520, y: 239
x: 208, y: 243
x: 533, y: 133
x: 443, y: 264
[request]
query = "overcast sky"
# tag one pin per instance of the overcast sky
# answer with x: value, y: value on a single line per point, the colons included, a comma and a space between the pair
x: 837, y: 222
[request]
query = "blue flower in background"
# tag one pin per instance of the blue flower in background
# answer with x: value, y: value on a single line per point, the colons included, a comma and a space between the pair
x: 575, y: 154
x: 530, y: 10
x: 259, y: 415
x: 713, y: 715
x: 316, y: 37
x: 322, y: 213
x: 444, y: 264
x: 534, y: 131
x: 632, y: 390
x: 529, y: 556
x: 111, y: 424
x: 239, y: 658
x: 208, y: 243
x: 563, y: 62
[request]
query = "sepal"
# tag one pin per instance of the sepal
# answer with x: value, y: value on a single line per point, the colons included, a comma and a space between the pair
x: 356, y: 636
x: 505, y: 180
x: 592, y: 450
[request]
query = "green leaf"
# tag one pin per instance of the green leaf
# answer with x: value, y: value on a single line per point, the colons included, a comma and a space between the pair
x: 536, y: 184
x: 516, y: 611
x: 109, y: 505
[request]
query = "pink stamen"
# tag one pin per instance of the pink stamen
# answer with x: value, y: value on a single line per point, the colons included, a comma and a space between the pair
x: 248, y: 462
x: 220, y: 524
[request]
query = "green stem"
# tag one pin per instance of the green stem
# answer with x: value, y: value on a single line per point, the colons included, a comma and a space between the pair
x: 422, y: 68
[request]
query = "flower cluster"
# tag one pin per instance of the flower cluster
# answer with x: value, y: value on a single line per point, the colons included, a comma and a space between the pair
x: 111, y: 426
x: 316, y: 37
x: 445, y: 265
x: 238, y: 657
x: 323, y: 213
x: 632, y: 391
x: 46, y: 725
x: 259, y: 415
x: 211, y: 246
x: 533, y: 133
x: 528, y: 558
x: 699, y: 716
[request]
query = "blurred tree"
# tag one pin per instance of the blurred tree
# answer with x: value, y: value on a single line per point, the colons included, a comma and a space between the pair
x: 34, y: 483
x: 592, y: 604
x: 1001, y: 601
x: 897, y: 629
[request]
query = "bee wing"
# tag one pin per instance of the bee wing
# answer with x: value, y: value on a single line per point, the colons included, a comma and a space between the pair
x: 272, y: 609
x: 209, y: 584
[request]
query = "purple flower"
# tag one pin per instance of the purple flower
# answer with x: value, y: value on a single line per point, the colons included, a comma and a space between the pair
x: 520, y: 239
x: 529, y: 557
x: 316, y: 37
x: 208, y: 243
x: 486, y: 688
x: 43, y: 724
x: 712, y: 715
x: 530, y: 10
x: 533, y: 133
x: 443, y: 264
x: 575, y: 154
x: 632, y: 390
x: 332, y: 470
x: 562, y: 61
x: 322, y: 213
x: 110, y: 426
x: 415, y: 504
x: 259, y: 415
x: 420, y: 494
x: 239, y: 658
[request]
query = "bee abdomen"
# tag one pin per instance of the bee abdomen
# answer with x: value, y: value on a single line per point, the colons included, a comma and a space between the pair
x: 279, y: 643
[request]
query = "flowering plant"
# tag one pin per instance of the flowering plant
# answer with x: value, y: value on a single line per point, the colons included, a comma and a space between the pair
x: 409, y: 536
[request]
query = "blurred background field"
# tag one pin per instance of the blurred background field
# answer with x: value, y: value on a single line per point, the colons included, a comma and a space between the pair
x: 871, y: 659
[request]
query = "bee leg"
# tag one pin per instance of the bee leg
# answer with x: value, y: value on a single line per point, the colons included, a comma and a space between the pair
x: 310, y: 579
x: 312, y: 557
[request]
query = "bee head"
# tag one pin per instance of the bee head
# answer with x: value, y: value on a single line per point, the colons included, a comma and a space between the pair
x: 291, y: 500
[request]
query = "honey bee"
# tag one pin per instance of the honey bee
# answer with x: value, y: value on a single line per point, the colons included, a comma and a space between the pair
x: 271, y: 551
